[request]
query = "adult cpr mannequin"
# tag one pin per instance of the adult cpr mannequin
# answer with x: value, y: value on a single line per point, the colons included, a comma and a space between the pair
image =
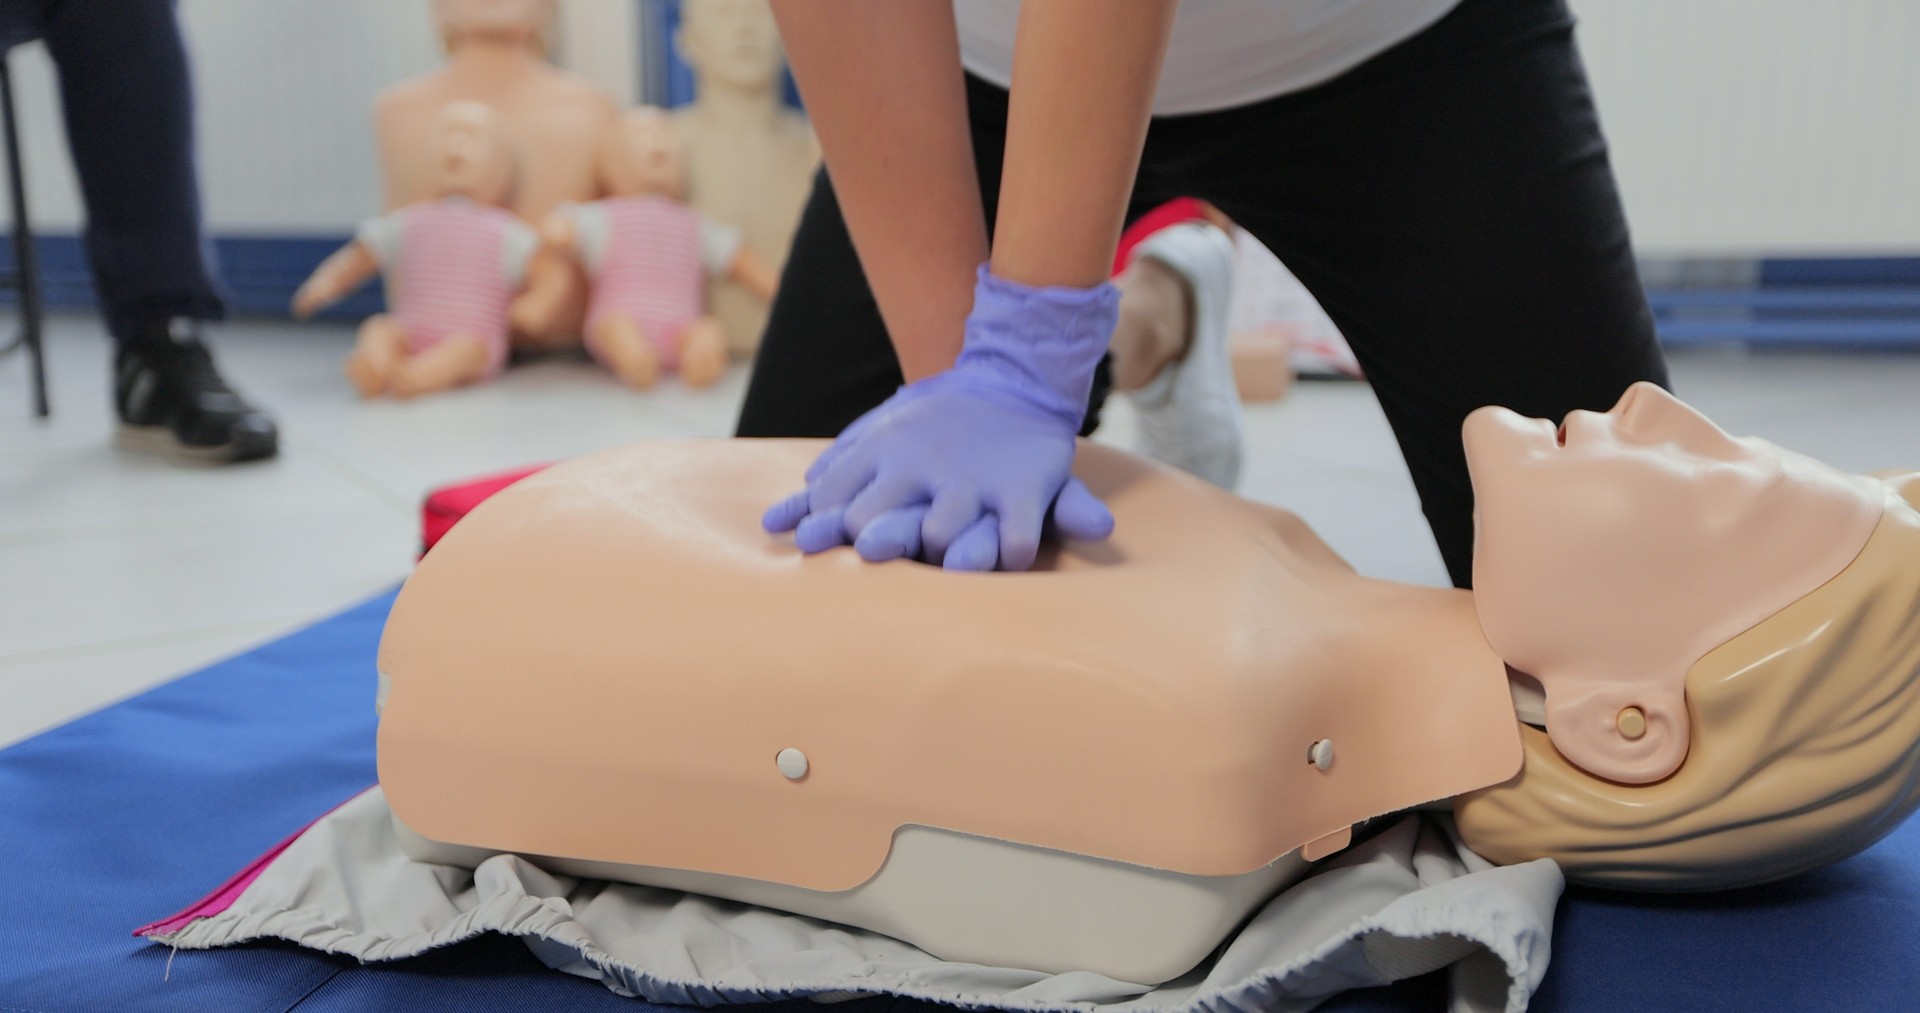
x: 552, y: 120
x: 1205, y: 703
x: 750, y: 159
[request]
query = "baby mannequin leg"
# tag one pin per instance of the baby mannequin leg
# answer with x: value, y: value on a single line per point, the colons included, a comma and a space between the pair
x: 454, y: 362
x: 377, y: 354
x: 618, y: 341
x: 703, y: 352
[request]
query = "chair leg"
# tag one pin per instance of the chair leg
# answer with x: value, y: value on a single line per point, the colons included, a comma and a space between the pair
x: 26, y: 267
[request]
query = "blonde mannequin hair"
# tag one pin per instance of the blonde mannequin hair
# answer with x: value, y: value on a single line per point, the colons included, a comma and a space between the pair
x: 1806, y: 746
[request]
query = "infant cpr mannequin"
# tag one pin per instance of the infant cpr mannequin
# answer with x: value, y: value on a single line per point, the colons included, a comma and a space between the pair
x: 456, y: 261
x: 552, y: 120
x: 648, y: 255
x: 1106, y: 764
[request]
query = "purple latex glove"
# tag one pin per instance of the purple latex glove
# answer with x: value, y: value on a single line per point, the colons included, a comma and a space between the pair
x: 962, y: 468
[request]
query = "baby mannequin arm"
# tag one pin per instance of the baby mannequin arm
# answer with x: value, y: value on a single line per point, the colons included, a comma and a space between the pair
x: 754, y: 273
x: 347, y: 269
x: 549, y: 276
x: 558, y: 235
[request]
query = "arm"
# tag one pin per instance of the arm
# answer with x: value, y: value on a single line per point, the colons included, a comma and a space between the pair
x: 1083, y: 84
x: 549, y: 279
x: 347, y: 269
x: 884, y: 89
x: 969, y: 466
x: 754, y: 274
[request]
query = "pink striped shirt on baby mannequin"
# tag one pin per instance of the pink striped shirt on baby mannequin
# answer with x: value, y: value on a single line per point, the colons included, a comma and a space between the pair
x: 649, y: 258
x: 455, y: 265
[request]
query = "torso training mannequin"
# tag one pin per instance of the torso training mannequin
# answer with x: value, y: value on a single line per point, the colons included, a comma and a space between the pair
x: 1210, y: 691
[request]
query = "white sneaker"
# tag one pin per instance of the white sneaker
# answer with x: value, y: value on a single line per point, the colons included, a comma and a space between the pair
x: 1190, y: 413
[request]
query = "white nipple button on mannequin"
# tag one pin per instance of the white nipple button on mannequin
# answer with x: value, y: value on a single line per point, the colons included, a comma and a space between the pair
x: 1320, y: 754
x: 792, y: 763
x: 1632, y: 722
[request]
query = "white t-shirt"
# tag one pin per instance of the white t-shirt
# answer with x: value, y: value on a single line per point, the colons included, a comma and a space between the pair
x: 1227, y: 53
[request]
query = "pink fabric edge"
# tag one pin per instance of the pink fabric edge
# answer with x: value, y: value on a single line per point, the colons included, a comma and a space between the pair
x: 226, y: 893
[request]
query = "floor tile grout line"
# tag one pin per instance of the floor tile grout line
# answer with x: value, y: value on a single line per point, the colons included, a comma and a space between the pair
x: 180, y: 521
x: 343, y: 468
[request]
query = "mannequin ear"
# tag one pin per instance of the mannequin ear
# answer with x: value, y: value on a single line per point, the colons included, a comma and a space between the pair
x: 1627, y: 733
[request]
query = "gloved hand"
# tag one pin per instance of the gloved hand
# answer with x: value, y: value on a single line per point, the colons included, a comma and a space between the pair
x: 961, y: 468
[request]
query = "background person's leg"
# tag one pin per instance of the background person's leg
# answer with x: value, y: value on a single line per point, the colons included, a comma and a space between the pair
x: 1451, y: 206
x: 127, y: 98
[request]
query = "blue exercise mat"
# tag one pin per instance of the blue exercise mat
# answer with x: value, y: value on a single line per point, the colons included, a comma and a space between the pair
x: 132, y: 813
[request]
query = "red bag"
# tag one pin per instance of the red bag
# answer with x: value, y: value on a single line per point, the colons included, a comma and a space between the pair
x: 445, y: 506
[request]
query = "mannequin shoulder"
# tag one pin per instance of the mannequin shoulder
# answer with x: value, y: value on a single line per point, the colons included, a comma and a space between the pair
x: 417, y: 96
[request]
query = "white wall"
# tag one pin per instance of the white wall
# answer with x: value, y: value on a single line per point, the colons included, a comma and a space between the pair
x: 284, y: 90
x: 1761, y: 126
x: 1738, y: 126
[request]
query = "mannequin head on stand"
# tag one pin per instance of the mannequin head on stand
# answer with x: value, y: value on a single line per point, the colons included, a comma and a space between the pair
x: 501, y: 22
x: 730, y: 45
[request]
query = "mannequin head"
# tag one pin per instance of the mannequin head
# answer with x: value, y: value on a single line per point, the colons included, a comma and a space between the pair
x: 641, y: 154
x: 1806, y: 746
x: 470, y: 158
x: 1615, y: 552
x: 731, y: 44
x: 501, y: 21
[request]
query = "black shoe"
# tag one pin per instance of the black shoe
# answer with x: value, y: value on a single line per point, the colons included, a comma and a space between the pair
x: 172, y: 401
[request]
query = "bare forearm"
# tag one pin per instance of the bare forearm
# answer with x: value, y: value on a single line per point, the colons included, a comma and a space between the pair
x: 1083, y: 82
x: 884, y: 89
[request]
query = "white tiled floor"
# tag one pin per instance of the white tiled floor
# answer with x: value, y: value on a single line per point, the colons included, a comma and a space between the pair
x: 118, y: 572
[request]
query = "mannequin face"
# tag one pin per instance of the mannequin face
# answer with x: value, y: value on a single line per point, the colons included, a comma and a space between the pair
x: 1675, y: 464
x: 643, y: 155
x: 1616, y: 550
x: 733, y: 43
x: 496, y: 18
x: 470, y: 157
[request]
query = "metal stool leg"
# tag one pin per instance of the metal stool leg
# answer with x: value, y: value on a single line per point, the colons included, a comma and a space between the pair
x: 26, y: 268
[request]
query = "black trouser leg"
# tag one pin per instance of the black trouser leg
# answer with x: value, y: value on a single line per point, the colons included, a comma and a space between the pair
x: 1451, y: 206
x: 127, y: 97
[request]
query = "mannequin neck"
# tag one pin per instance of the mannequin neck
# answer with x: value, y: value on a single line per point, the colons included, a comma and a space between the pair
x: 1409, y: 628
x: 724, y: 106
x: 496, y: 60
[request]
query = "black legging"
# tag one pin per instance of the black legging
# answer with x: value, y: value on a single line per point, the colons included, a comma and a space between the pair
x: 1449, y: 203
